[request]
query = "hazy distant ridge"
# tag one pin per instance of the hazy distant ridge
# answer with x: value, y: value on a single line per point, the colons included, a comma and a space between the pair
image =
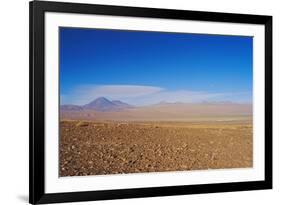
x: 101, y: 104
x: 104, y: 109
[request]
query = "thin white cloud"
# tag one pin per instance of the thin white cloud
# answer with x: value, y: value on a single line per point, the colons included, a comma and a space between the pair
x: 183, y: 96
x: 117, y: 91
x: 146, y: 95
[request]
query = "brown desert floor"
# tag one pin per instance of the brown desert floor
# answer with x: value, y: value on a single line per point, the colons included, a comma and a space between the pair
x: 99, y: 148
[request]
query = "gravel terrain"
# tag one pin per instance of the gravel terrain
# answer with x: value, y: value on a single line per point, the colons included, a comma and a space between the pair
x: 99, y: 148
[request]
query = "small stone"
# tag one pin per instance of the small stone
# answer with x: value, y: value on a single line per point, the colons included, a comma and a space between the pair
x: 82, y: 124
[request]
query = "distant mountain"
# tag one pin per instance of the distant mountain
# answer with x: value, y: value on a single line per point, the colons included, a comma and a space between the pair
x: 165, y: 103
x: 71, y: 107
x: 220, y: 102
x: 100, y: 104
x: 121, y: 104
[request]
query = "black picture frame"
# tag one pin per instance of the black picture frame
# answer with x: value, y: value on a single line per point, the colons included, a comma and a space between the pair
x: 37, y: 193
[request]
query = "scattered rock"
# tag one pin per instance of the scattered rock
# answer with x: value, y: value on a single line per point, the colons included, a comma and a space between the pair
x: 95, y: 148
x: 82, y: 124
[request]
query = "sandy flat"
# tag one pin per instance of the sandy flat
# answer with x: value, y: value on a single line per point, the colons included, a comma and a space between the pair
x: 98, y: 148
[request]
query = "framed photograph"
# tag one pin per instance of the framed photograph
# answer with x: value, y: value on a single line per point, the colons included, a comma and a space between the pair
x: 141, y: 102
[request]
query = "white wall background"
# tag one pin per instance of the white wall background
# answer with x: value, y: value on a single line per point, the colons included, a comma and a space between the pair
x: 14, y: 100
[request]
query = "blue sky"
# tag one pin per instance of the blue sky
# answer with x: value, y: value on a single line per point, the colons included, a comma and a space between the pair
x: 143, y: 68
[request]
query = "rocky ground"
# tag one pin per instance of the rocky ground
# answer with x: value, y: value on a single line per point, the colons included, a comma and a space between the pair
x: 98, y: 148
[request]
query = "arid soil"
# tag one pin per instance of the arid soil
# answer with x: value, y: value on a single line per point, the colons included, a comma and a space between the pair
x: 99, y: 148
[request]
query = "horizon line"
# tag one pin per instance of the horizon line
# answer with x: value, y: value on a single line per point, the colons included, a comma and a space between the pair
x: 162, y: 102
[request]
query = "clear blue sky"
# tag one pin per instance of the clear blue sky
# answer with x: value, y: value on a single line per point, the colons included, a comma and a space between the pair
x: 170, y: 61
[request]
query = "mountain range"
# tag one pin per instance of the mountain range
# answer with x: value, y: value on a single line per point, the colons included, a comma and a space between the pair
x: 101, y: 104
x: 105, y: 109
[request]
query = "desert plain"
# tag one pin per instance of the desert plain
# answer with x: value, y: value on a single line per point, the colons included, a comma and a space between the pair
x: 157, y: 139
